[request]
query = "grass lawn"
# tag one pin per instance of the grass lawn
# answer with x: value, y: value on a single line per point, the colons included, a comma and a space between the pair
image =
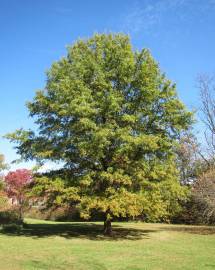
x: 81, y: 246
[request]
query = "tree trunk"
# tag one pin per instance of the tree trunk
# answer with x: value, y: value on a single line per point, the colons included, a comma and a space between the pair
x: 21, y: 210
x: 107, y: 226
x: 21, y: 213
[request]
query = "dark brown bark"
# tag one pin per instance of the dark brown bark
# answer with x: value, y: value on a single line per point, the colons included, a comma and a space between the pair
x: 20, y: 213
x: 21, y: 204
x: 107, y: 226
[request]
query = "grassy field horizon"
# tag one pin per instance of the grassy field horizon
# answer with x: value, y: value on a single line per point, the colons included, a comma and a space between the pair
x: 82, y: 246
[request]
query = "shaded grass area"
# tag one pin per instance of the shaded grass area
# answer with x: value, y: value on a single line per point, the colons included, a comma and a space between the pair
x: 91, y: 231
x: 134, y: 246
x: 201, y: 230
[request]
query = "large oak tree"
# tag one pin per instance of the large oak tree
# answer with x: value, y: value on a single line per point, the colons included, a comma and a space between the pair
x: 112, y: 118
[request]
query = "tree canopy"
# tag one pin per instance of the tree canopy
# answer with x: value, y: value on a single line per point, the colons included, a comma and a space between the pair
x: 112, y: 118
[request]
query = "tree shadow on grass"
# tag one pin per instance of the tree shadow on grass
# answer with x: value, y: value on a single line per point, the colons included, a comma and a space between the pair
x: 83, y: 230
x: 201, y: 230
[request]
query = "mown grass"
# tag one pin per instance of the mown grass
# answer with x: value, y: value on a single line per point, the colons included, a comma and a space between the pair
x: 134, y: 246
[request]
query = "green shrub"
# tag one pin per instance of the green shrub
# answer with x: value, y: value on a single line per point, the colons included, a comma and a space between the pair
x: 10, y: 216
x: 11, y: 228
x: 4, y: 202
x: 54, y: 214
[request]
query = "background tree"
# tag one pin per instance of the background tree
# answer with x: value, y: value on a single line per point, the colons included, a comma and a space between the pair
x: 2, y: 163
x: 16, y: 184
x: 111, y: 117
x: 197, y: 165
x: 200, y: 207
x: 4, y: 205
x: 190, y: 160
x: 206, y: 84
x: 203, y: 198
x: 3, y: 197
x: 3, y: 166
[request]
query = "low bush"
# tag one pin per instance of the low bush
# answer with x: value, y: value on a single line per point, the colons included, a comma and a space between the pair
x: 11, y: 228
x: 4, y: 201
x: 10, y: 216
x: 54, y: 214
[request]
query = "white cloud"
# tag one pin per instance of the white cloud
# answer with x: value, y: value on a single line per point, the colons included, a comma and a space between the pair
x: 145, y: 16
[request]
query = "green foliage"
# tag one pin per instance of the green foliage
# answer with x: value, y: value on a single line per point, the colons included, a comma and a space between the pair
x: 2, y: 167
x: 53, y: 192
x: 2, y: 163
x: 10, y: 216
x: 1, y: 184
x: 163, y: 200
x: 110, y: 115
x: 4, y: 204
x: 11, y: 228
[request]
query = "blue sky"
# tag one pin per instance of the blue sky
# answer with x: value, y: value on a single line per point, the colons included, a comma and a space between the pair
x: 179, y: 33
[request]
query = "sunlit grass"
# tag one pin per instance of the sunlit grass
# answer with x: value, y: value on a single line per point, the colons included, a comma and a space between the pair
x: 134, y: 246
